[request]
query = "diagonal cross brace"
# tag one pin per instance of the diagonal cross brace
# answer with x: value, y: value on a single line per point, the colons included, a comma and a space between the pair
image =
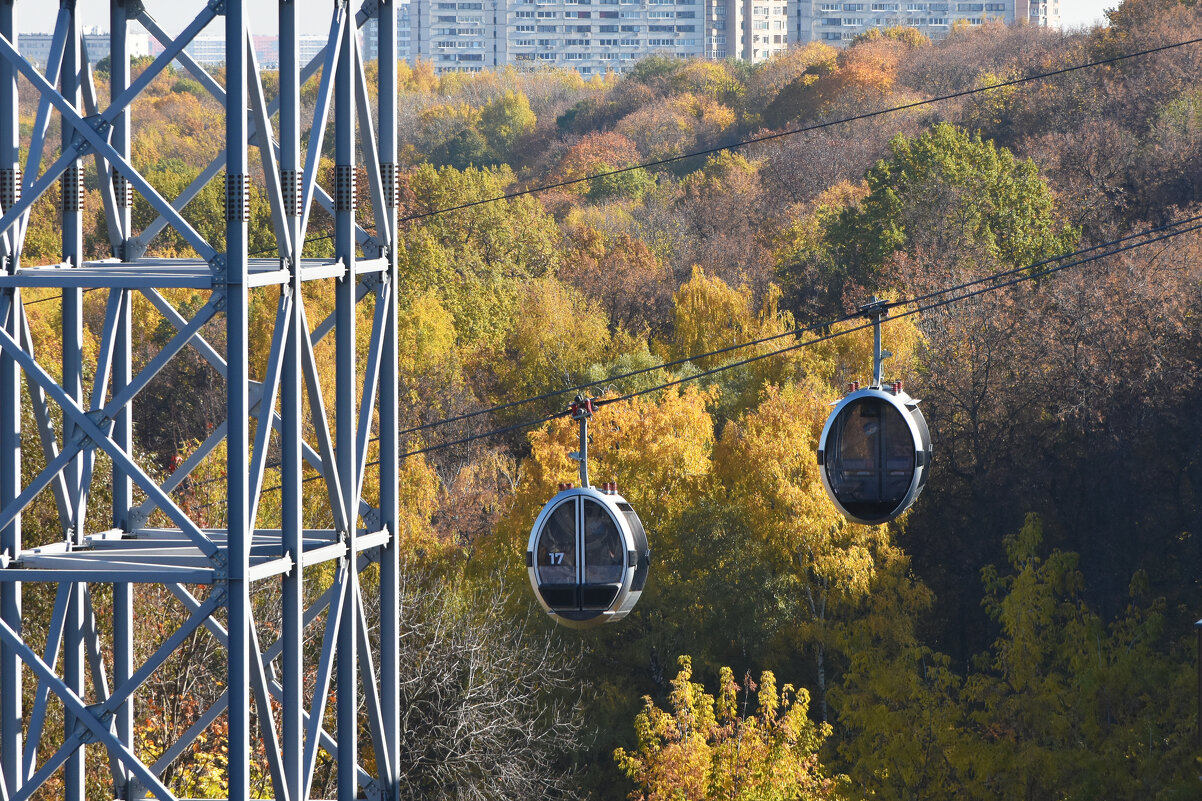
x: 93, y: 431
x: 120, y: 400
x: 77, y: 707
x: 88, y: 134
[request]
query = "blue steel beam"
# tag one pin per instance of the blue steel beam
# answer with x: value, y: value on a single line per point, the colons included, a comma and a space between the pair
x: 237, y: 552
x: 292, y: 665
x: 71, y: 196
x: 11, y: 701
x: 388, y: 417
x: 345, y: 343
x: 123, y: 422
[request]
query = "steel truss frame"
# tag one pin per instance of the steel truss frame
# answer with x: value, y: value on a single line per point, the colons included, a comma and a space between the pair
x: 75, y: 422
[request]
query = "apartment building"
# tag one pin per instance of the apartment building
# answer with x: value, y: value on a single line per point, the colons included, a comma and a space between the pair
x: 749, y: 30
x: 458, y: 36
x: 837, y: 23
x: 370, y: 36
x: 36, y: 46
x: 589, y: 36
x: 1039, y: 12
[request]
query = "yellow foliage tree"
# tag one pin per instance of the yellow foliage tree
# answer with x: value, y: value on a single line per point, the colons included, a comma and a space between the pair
x: 556, y: 337
x: 657, y: 450
x: 709, y: 315
x: 703, y: 748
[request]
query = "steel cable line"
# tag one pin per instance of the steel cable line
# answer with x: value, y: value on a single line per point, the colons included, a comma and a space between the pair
x: 917, y: 309
x: 773, y: 337
x: 794, y: 332
x: 1166, y: 232
x: 1016, y: 275
x: 769, y: 137
x: 805, y: 129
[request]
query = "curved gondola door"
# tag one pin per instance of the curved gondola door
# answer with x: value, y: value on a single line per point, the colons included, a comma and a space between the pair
x: 587, y: 557
x: 875, y: 454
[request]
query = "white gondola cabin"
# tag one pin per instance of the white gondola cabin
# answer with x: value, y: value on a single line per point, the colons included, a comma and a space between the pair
x: 874, y: 454
x: 588, y: 556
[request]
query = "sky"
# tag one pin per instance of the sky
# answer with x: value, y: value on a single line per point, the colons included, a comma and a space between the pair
x: 38, y: 15
x: 1084, y: 13
x: 174, y: 15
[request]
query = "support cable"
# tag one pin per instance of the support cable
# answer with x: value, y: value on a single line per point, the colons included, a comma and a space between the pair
x: 917, y: 308
x: 938, y: 298
x: 792, y: 332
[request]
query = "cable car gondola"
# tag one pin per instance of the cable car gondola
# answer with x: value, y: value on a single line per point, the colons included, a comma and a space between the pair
x: 588, y: 555
x: 874, y: 454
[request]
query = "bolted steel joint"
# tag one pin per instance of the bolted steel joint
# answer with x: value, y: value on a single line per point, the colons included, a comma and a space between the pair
x: 218, y: 266
x: 237, y: 198
x: 122, y: 190
x: 10, y: 187
x: 290, y: 184
x: 138, y: 518
x: 344, y: 188
x: 72, y: 186
x: 221, y: 566
x: 392, y: 187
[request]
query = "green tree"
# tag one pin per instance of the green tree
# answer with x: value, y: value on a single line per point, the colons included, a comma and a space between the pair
x: 953, y: 197
x: 1066, y: 706
x: 464, y: 149
x: 504, y: 120
x: 476, y: 260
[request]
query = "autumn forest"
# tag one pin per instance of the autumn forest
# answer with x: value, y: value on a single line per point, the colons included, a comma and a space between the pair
x: 1025, y: 632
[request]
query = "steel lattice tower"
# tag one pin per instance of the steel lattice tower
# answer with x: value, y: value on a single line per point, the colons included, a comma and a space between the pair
x: 75, y: 422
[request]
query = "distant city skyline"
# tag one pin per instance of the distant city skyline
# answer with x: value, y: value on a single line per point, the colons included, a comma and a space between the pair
x: 175, y: 15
